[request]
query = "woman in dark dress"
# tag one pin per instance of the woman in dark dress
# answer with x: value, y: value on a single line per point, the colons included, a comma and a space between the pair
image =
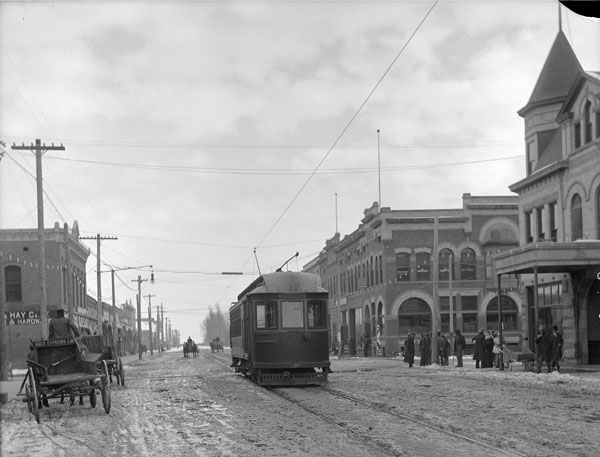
x: 409, y: 349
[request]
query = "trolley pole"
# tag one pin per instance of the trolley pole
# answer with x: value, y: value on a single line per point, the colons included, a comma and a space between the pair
x: 40, y: 149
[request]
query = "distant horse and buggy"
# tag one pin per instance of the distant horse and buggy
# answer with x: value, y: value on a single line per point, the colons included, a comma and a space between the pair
x: 216, y: 345
x: 190, y: 347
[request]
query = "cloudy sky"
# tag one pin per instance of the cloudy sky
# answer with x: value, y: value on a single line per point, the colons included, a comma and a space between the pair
x: 198, y: 131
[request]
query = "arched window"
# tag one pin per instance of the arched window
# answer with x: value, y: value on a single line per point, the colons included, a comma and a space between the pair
x: 13, y: 285
x: 468, y: 267
x: 414, y: 314
x: 446, y: 259
x: 380, y: 268
x: 576, y: 218
x: 587, y: 122
x: 403, y: 266
x: 423, y: 266
x: 509, y: 314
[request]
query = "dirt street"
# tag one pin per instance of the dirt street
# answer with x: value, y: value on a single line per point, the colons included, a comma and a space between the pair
x: 173, y: 405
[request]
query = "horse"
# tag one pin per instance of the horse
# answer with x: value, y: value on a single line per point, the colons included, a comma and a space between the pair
x: 216, y: 346
x: 188, y: 347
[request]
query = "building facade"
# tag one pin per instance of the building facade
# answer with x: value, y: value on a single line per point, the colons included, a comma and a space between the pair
x: 559, y: 206
x: 421, y: 270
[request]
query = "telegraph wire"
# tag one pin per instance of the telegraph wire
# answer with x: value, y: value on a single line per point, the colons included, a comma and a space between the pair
x: 349, y: 123
x: 281, y: 171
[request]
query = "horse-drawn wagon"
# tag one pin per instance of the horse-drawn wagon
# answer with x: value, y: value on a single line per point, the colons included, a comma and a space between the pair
x: 64, y: 367
x: 103, y: 345
x: 190, y: 347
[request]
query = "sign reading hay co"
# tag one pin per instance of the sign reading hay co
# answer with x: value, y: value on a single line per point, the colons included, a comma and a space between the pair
x: 22, y: 318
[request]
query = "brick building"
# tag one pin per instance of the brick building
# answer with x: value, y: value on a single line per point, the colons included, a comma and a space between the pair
x: 66, y: 286
x: 403, y: 269
x: 559, y: 206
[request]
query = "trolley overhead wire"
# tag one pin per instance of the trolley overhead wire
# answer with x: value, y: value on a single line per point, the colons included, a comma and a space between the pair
x: 348, y: 124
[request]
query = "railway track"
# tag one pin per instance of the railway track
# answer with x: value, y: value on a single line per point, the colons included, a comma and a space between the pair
x: 342, y: 410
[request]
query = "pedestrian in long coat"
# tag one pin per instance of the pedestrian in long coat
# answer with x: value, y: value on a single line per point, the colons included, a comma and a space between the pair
x: 423, y: 348
x: 488, y: 357
x: 479, y: 351
x: 409, y: 350
x: 545, y: 341
x: 459, y: 345
x: 557, y: 348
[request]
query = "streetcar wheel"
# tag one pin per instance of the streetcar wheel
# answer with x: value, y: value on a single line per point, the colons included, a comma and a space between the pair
x: 34, y: 396
x: 93, y: 398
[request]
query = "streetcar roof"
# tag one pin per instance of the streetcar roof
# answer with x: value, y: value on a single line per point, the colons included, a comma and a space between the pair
x: 285, y: 282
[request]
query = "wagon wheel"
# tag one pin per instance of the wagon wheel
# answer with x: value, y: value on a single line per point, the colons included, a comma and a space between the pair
x: 32, y: 396
x: 93, y: 396
x: 105, y: 388
x: 121, y: 372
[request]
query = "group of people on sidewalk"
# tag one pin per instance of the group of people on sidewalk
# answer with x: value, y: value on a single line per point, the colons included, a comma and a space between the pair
x: 443, y: 348
x: 487, y: 349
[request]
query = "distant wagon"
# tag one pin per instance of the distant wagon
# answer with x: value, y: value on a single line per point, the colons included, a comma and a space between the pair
x: 279, y: 331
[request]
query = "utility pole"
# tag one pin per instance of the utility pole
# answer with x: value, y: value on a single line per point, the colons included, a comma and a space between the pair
x: 40, y: 149
x: 139, y: 280
x: 98, y: 239
x: 150, y: 320
x: 158, y: 325
x: 3, y: 332
x: 162, y: 325
x: 435, y: 312
x: 114, y: 304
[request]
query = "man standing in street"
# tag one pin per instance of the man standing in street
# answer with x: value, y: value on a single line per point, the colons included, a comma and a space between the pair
x: 479, y: 341
x: 459, y: 346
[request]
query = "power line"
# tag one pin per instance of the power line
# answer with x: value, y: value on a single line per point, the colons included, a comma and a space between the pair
x: 348, y: 124
x: 282, y: 171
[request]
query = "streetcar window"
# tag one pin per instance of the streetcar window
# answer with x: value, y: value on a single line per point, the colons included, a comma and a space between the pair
x: 317, y: 313
x: 266, y: 314
x: 292, y: 314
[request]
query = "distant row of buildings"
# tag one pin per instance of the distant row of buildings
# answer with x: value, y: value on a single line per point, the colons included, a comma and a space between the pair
x: 421, y: 270
x: 66, y: 288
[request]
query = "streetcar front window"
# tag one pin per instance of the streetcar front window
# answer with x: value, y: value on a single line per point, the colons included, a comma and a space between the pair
x: 292, y: 314
x: 317, y: 313
x: 266, y: 314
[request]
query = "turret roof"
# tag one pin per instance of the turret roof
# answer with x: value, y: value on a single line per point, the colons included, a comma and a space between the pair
x: 557, y: 75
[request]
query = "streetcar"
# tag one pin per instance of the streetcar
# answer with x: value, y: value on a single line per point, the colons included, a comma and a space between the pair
x: 279, y: 333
